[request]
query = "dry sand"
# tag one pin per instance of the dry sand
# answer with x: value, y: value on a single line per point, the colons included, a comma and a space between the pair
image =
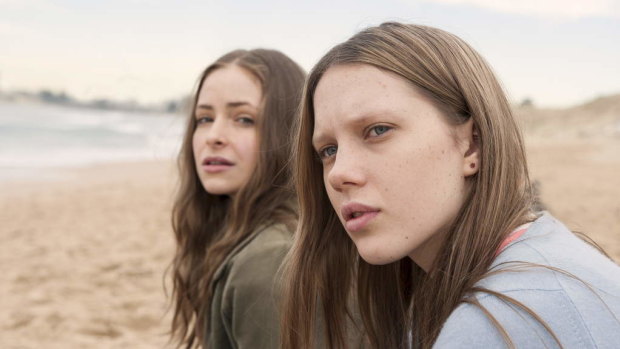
x: 580, y: 185
x: 83, y: 256
x: 575, y: 154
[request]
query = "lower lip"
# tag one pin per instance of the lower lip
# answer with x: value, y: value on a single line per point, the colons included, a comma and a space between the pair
x: 215, y: 168
x: 358, y: 223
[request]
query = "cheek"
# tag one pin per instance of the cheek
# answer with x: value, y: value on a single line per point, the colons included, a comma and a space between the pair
x: 332, y: 195
x: 247, y: 147
x: 422, y: 177
x: 442, y: 175
x: 197, y: 141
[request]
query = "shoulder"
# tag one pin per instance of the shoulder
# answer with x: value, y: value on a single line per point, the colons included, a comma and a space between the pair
x: 469, y: 327
x: 550, y: 257
x: 275, y: 236
x: 270, y: 243
x: 560, y: 279
x: 247, y: 291
x: 258, y: 260
x: 473, y: 326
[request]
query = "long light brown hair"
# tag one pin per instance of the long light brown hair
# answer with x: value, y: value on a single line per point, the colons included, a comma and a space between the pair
x: 324, y: 269
x: 207, y: 227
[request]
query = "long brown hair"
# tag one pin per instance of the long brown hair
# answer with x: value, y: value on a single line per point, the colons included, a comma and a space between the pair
x: 323, y: 265
x: 207, y: 227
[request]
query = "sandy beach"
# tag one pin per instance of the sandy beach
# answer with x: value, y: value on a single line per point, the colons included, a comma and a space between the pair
x: 580, y: 186
x: 84, y: 257
x: 84, y: 252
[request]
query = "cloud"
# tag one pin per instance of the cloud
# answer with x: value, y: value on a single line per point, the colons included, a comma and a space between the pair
x: 19, y: 4
x: 571, y: 9
x: 13, y: 7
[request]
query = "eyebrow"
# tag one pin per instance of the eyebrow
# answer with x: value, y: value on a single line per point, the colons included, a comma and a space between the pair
x: 318, y: 138
x: 229, y: 105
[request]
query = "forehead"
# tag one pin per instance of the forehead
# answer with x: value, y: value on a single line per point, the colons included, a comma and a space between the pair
x: 354, y: 91
x: 230, y: 83
x: 349, y: 80
x: 345, y: 88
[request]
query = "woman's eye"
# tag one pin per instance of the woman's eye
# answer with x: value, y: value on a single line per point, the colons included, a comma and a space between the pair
x: 245, y: 120
x: 203, y: 119
x: 328, y: 151
x: 378, y: 130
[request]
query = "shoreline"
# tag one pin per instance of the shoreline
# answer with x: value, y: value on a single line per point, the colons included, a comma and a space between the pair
x: 77, y: 175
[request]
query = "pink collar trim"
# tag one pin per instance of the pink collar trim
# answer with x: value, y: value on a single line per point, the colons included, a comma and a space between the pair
x: 512, y: 237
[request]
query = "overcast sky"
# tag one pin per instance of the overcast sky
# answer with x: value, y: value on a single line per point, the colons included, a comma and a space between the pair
x: 557, y: 52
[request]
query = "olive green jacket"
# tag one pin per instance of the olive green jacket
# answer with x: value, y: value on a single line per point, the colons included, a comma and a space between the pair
x: 244, y: 312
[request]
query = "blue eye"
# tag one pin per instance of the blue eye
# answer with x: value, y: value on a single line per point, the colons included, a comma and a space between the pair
x: 328, y: 151
x: 203, y: 119
x: 245, y: 120
x: 378, y: 130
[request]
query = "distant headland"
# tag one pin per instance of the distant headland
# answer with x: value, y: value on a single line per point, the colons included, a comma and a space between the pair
x: 46, y: 96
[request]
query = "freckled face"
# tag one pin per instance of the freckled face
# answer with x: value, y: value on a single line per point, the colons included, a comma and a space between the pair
x: 225, y: 141
x: 392, y: 165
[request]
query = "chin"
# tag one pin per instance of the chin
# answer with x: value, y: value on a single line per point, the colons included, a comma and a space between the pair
x: 377, y: 257
x: 378, y: 249
x: 218, y: 189
x: 219, y: 192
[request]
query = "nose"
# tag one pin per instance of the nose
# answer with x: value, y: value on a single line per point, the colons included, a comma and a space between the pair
x: 217, y: 133
x: 346, y: 172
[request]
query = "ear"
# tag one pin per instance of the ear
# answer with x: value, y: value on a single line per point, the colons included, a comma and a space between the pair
x: 470, y: 147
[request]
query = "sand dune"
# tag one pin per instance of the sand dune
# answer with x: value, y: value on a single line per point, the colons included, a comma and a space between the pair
x: 575, y: 154
x: 592, y: 120
x: 83, y: 255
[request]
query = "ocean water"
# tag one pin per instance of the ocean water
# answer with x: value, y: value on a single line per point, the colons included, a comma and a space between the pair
x: 35, y: 136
